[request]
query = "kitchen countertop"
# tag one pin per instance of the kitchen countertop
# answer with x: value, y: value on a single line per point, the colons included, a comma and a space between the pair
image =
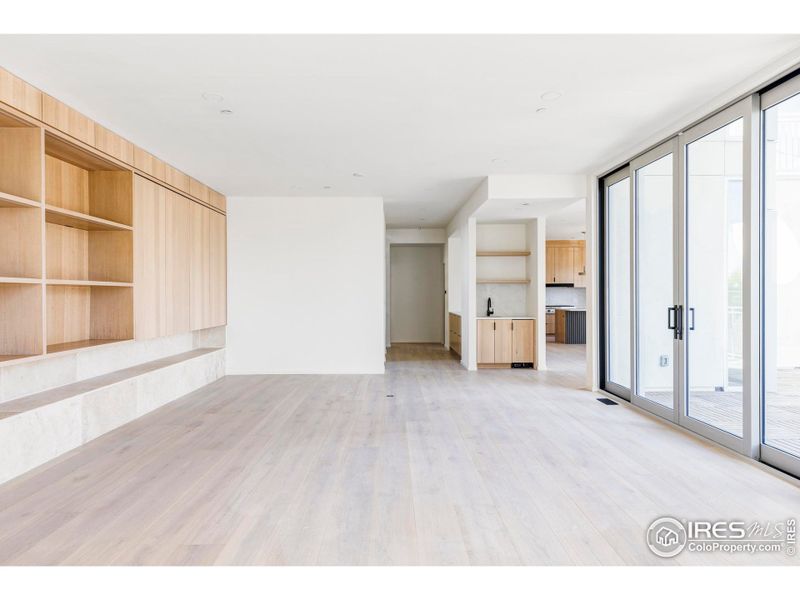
x: 572, y: 309
x: 509, y: 318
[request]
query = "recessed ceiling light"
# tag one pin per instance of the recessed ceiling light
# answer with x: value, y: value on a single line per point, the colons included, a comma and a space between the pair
x: 326, y: 187
x: 213, y: 97
x: 526, y: 204
x: 357, y: 174
x: 226, y: 111
x: 541, y: 109
x: 551, y: 95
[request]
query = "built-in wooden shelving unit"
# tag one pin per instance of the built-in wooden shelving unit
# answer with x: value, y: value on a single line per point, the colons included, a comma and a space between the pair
x: 67, y: 187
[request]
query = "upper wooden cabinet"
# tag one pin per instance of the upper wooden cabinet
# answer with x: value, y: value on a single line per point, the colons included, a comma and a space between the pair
x: 67, y: 119
x: 146, y: 162
x: 180, y: 279
x: 109, y: 142
x: 20, y: 95
x: 565, y: 262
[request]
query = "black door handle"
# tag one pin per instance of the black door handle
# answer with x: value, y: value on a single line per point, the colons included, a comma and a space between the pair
x: 691, y: 317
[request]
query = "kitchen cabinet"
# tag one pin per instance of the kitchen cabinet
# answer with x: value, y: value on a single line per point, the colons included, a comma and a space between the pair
x: 550, y: 324
x: 565, y: 262
x: 565, y: 265
x: 523, y: 339
x: 455, y: 332
x: 502, y: 342
x: 579, y: 264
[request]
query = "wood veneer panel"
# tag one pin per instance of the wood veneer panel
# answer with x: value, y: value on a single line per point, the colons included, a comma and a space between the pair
x: 67, y: 252
x: 66, y: 185
x: 146, y: 162
x: 67, y: 119
x: 111, y: 195
x: 111, y: 256
x: 21, y: 162
x: 149, y: 247
x: 112, y: 144
x: 177, y: 294
x: 200, y: 267
x: 21, y: 242
x: 111, y: 314
x: 19, y: 94
x: 20, y: 319
x: 68, y: 312
x: 218, y: 268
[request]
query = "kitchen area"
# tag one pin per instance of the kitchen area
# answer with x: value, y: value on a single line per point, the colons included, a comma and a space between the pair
x: 565, y: 291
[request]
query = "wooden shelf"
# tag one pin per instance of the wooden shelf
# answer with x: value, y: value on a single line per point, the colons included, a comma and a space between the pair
x: 24, y: 280
x: 510, y: 281
x: 79, y: 220
x: 503, y: 253
x: 12, y: 201
x: 89, y: 283
x: 63, y: 347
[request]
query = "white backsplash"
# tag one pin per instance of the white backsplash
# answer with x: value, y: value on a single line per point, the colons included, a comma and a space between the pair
x: 508, y: 300
x: 566, y: 295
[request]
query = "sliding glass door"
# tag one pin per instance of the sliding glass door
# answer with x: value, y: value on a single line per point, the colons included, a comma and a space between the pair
x: 781, y: 279
x: 679, y: 252
x: 712, y: 319
x: 617, y: 235
x: 655, y: 301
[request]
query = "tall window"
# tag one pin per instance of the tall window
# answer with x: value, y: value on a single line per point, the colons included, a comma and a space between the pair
x: 618, y: 256
x: 782, y: 276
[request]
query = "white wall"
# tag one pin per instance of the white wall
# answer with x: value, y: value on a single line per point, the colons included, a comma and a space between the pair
x: 306, y: 285
x: 536, y: 229
x: 417, y: 294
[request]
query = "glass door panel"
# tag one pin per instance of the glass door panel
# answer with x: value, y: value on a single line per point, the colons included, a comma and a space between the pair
x: 654, y: 282
x: 712, y: 316
x: 618, y: 289
x: 781, y: 360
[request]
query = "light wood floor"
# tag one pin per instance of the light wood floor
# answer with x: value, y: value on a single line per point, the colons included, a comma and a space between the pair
x: 429, y: 464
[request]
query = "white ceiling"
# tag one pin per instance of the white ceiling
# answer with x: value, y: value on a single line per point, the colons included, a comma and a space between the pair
x: 424, y: 118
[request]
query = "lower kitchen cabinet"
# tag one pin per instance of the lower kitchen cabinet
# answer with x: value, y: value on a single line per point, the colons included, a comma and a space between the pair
x: 502, y: 342
x: 455, y: 333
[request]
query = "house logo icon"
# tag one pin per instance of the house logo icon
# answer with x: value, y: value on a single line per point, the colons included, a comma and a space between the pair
x: 666, y: 537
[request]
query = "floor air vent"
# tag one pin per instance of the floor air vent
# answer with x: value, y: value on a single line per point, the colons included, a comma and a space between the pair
x: 607, y: 401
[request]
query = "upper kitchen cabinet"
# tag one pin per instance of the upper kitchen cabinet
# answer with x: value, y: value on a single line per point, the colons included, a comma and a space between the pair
x: 566, y: 263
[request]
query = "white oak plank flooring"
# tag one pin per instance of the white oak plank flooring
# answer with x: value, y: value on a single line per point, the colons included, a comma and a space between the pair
x: 428, y: 464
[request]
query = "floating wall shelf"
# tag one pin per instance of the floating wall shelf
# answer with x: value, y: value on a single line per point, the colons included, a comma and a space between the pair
x: 509, y: 281
x: 503, y: 253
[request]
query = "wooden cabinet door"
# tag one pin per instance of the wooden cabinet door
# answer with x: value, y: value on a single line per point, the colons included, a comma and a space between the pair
x: 149, y: 247
x: 523, y: 340
x: 561, y: 326
x: 486, y: 335
x: 550, y: 265
x: 565, y: 270
x: 178, y: 222
x: 550, y: 324
x: 503, y: 343
x: 579, y: 263
x: 218, y: 277
x: 200, y: 267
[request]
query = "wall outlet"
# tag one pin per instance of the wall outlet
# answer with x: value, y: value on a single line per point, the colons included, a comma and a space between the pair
x: 663, y: 360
